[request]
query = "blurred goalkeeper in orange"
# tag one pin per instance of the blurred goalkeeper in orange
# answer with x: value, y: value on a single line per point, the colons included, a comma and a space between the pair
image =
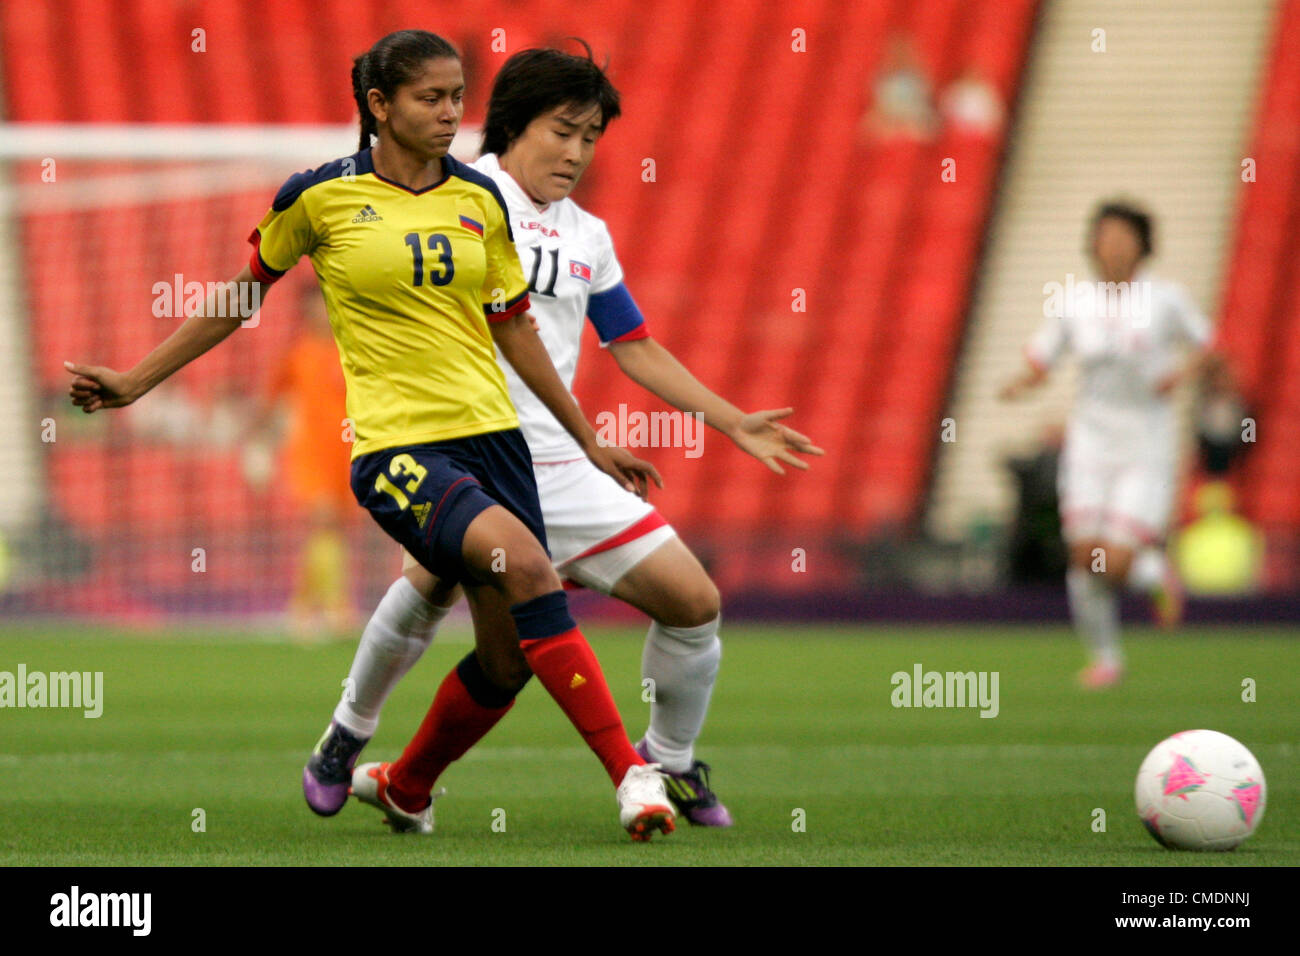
x: 314, y: 466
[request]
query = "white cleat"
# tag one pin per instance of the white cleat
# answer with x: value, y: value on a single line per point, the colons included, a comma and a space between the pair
x: 370, y: 785
x: 643, y: 805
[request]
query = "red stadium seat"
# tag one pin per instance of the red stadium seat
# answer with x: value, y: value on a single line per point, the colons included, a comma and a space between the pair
x: 738, y: 215
x: 1260, y: 321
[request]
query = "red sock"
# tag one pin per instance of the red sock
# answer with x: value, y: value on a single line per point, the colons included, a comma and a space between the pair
x: 455, y: 722
x: 568, y: 670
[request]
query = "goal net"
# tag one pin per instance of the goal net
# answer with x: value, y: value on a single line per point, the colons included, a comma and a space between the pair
x: 180, y: 506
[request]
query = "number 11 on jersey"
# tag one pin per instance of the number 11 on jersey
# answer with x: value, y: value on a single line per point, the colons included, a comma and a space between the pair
x: 537, y: 264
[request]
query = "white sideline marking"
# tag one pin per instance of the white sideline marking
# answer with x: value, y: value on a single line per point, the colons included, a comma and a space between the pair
x: 1006, y: 751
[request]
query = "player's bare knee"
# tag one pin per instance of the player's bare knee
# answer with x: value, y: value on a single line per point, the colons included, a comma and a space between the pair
x: 530, y: 575
x: 694, y: 607
x: 429, y: 586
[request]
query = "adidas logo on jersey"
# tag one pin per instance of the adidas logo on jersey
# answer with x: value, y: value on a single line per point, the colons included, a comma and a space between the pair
x: 367, y: 214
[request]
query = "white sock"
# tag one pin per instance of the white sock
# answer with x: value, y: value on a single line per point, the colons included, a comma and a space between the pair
x: 396, y: 635
x: 1094, y: 609
x: 1147, y: 572
x: 683, y: 663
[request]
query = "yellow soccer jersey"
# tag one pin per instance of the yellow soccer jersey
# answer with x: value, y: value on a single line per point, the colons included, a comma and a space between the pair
x: 411, y: 280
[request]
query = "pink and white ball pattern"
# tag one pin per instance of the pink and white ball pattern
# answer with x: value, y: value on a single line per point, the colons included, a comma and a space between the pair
x: 1200, y: 790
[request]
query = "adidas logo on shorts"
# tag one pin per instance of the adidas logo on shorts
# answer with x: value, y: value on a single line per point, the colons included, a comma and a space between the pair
x: 367, y: 214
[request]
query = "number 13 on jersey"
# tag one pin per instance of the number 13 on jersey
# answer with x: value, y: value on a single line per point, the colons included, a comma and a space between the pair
x: 443, y: 268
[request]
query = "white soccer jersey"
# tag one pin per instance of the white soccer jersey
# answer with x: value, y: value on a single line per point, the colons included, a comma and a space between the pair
x: 1127, y: 339
x: 568, y: 256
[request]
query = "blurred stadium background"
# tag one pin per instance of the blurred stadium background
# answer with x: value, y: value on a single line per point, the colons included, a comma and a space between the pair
x: 794, y: 241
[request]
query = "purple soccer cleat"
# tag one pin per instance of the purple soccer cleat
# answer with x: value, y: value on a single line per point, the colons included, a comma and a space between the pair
x: 691, y: 794
x: 327, y: 778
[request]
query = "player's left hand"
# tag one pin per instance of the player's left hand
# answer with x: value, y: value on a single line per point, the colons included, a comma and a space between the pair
x: 761, y: 435
x: 624, y: 467
x: 94, y: 387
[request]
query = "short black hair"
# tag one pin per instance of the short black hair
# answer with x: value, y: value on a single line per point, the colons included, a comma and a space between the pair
x: 392, y: 61
x: 1137, y: 218
x: 533, y: 82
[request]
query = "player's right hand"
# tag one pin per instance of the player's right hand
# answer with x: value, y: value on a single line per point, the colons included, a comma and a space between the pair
x: 625, y: 468
x: 95, y: 387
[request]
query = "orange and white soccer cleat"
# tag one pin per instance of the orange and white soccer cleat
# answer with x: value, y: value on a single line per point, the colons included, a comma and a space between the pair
x: 643, y: 805
x: 370, y: 785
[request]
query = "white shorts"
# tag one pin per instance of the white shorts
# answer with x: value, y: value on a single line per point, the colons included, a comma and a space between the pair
x: 1122, y: 499
x: 596, y: 531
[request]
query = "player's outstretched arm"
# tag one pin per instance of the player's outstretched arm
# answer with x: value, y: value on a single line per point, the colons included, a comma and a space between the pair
x: 95, y: 386
x: 656, y: 369
x: 522, y: 347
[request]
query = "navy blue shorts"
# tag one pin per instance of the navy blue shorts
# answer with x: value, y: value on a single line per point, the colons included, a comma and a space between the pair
x: 425, y: 496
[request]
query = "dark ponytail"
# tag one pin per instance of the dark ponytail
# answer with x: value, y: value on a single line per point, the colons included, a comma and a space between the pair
x: 360, y: 88
x: 392, y: 61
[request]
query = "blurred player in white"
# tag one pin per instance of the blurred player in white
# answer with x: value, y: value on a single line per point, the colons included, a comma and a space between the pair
x: 1132, y: 334
x: 547, y: 111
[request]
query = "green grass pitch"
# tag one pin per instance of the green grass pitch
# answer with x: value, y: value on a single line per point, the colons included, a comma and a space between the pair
x: 801, y: 728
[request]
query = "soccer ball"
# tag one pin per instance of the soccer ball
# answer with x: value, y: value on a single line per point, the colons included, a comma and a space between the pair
x: 1200, y: 790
